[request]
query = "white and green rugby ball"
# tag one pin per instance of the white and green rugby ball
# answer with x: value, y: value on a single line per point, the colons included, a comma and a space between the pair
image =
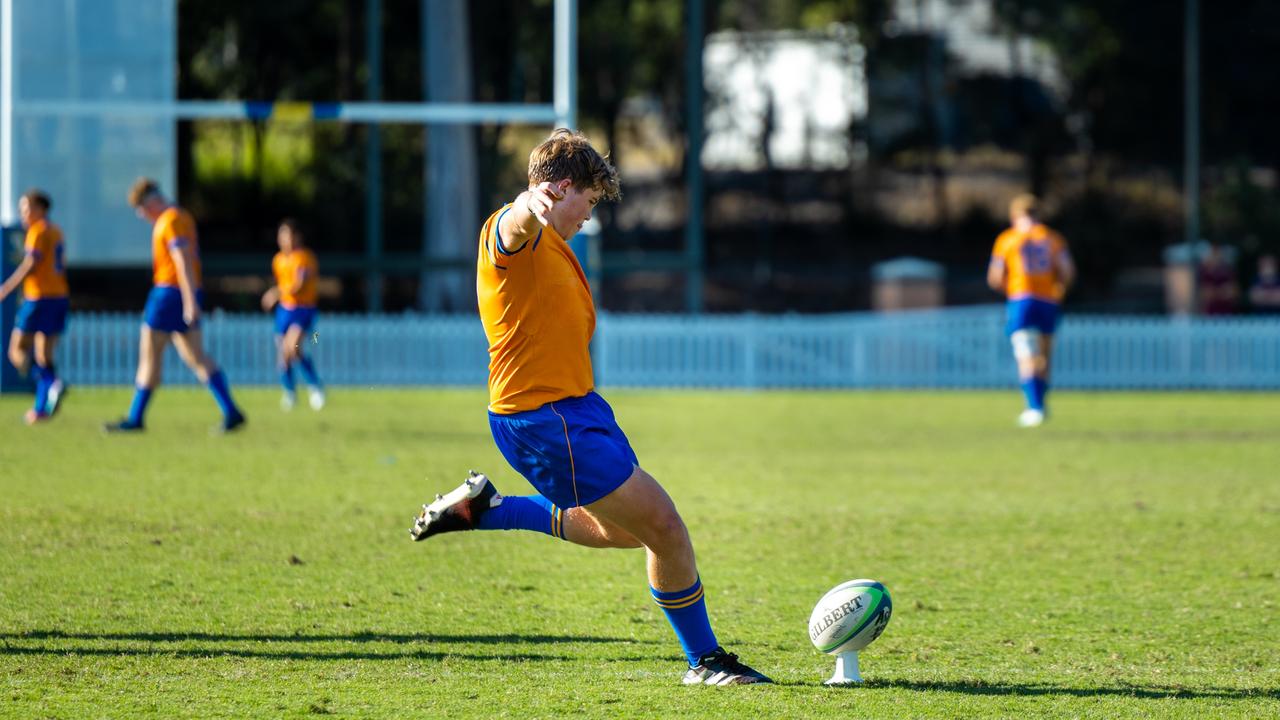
x: 850, y: 616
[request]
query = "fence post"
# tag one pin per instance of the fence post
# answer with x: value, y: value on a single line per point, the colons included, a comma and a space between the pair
x: 750, y: 341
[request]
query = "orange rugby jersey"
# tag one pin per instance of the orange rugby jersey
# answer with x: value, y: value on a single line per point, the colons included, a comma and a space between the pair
x: 1031, y: 262
x: 174, y: 228
x: 48, y: 279
x: 296, y: 274
x: 538, y: 315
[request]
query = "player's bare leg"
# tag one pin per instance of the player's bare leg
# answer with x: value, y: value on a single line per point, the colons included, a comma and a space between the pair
x: 641, y: 508
x: 20, y: 351
x: 291, y: 345
x: 190, y: 346
x: 20, y: 344
x: 583, y: 528
x: 151, y: 345
x: 639, y: 513
x: 644, y: 510
x: 289, y: 396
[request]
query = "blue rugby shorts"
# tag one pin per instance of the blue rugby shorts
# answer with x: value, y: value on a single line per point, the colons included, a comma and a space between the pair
x: 164, y: 309
x: 1031, y: 314
x: 46, y: 315
x: 572, y: 451
x: 303, y: 317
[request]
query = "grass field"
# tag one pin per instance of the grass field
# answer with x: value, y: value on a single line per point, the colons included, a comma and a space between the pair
x: 1123, y: 561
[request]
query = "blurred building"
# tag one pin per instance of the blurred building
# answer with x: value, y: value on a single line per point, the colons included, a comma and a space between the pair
x: 783, y: 99
x: 118, y: 51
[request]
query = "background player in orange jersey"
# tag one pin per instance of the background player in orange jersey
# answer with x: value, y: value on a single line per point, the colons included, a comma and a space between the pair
x: 546, y: 417
x: 1030, y: 264
x: 173, y: 308
x: 43, y: 316
x: 294, y: 299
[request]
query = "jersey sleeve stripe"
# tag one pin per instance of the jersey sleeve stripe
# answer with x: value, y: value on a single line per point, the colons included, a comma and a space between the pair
x: 497, y: 233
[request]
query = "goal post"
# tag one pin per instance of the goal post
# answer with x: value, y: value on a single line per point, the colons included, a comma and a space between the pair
x: 86, y: 103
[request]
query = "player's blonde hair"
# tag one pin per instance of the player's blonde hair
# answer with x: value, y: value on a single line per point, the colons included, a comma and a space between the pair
x: 141, y: 189
x: 568, y: 154
x: 1025, y: 204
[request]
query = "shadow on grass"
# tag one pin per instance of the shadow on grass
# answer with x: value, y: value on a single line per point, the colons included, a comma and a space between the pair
x: 1148, y: 692
x: 212, y: 652
x: 367, y: 637
x: 178, y: 644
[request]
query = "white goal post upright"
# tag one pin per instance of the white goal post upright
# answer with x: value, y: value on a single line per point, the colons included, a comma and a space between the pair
x: 8, y: 203
x: 561, y: 111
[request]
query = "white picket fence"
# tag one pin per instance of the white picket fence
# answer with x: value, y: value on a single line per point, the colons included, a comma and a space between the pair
x: 946, y: 348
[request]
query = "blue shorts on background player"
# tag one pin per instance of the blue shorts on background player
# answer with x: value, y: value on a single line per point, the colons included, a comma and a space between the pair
x: 1031, y: 314
x: 163, y: 311
x: 48, y: 316
x: 302, y: 317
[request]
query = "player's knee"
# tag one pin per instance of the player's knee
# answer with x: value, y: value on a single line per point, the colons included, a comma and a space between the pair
x: 667, y: 528
x: 202, y: 370
x: 1026, y: 370
x: 1040, y: 367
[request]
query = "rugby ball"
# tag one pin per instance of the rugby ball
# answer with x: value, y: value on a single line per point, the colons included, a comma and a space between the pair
x: 850, y: 616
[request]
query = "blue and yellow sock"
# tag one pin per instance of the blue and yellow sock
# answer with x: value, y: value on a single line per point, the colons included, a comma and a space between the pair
x: 308, y: 371
x: 141, y: 397
x: 222, y: 393
x: 525, y: 512
x: 286, y: 378
x: 44, y: 379
x: 686, y: 610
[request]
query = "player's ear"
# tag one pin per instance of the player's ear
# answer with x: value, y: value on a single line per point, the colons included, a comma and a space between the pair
x: 564, y: 185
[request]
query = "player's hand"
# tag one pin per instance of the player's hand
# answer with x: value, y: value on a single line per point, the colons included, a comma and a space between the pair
x: 268, y: 300
x: 541, y: 199
x: 190, y: 314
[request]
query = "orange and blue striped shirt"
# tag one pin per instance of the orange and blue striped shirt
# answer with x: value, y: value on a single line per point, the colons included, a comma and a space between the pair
x: 48, y: 279
x: 538, y: 315
x: 1031, y: 259
x: 296, y: 275
x: 175, y: 228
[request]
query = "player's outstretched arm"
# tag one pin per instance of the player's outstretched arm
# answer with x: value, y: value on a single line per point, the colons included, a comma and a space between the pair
x: 996, y: 275
x: 20, y: 273
x: 530, y: 212
x: 270, y: 298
